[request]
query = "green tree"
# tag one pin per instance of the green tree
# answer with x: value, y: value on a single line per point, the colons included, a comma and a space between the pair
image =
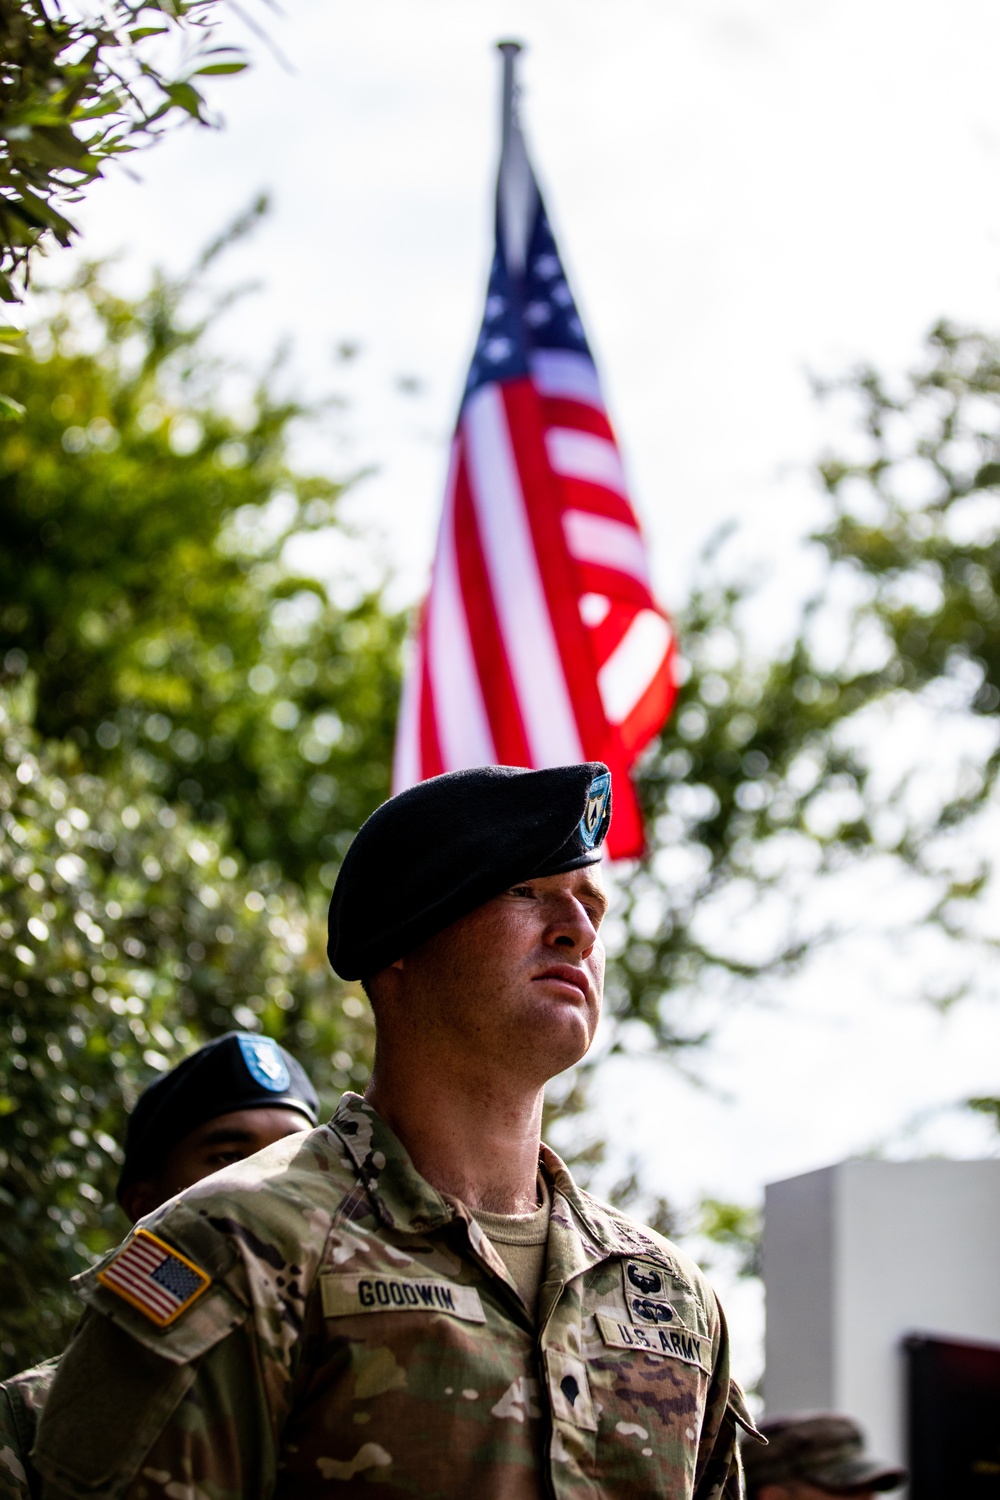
x: 771, y: 777
x: 127, y: 935
x: 77, y: 91
x: 736, y: 792
x: 773, y: 781
x: 144, y: 582
x: 191, y: 732
x: 917, y: 525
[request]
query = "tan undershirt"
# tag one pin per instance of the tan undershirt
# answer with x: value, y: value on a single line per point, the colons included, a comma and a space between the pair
x: 521, y: 1240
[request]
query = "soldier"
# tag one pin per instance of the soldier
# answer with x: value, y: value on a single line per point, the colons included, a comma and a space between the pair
x: 812, y: 1456
x: 417, y: 1299
x: 234, y: 1096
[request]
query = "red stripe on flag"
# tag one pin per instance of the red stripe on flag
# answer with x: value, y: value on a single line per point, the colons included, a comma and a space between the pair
x: 559, y: 411
x: 431, y: 761
x: 579, y: 494
x: 146, y: 1289
x: 610, y: 633
x: 561, y: 580
x: 613, y: 584
x: 649, y: 715
x: 499, y: 694
x: 142, y: 1287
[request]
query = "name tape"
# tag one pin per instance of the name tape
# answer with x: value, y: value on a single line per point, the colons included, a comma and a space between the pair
x: 672, y: 1343
x: 345, y: 1296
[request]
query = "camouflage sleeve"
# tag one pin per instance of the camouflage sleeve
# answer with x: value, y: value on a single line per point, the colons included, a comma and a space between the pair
x: 719, y: 1474
x: 21, y: 1399
x: 123, y: 1421
x: 13, y: 1451
x: 723, y: 1474
x: 145, y: 1405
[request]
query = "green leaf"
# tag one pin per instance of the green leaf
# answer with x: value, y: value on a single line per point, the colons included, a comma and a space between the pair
x: 141, y: 32
x: 105, y: 106
x: 185, y: 97
x: 230, y: 67
x: 10, y: 410
x: 988, y: 475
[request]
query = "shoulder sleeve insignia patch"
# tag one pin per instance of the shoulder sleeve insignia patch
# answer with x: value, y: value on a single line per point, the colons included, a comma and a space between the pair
x: 156, y: 1279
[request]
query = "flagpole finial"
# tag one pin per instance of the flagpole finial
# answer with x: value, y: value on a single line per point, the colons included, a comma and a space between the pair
x: 509, y: 50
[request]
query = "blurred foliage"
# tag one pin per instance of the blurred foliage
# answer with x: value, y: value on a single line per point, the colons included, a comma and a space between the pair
x: 873, y: 740
x: 143, y: 581
x: 77, y: 90
x: 768, y: 776
x: 192, y: 732
x: 986, y: 1106
x: 127, y: 934
x: 736, y: 792
x: 735, y: 1228
x: 917, y: 522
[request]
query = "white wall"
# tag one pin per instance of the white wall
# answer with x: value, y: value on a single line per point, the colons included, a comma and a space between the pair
x: 858, y: 1255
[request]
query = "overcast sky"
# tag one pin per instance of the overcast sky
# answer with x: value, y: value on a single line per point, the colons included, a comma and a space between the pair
x: 742, y: 190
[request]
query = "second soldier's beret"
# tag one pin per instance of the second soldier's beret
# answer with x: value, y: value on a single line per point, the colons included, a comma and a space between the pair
x: 438, y: 850
x: 237, y: 1071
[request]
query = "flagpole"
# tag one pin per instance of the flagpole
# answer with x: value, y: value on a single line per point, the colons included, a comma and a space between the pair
x: 509, y: 50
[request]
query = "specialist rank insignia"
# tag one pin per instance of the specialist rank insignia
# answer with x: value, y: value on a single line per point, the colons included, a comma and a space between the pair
x: 157, y: 1280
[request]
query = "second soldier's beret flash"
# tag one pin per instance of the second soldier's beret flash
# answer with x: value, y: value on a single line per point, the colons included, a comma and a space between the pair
x: 438, y: 850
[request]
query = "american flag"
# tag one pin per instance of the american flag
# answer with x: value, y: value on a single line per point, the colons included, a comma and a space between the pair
x: 154, y: 1278
x: 540, y: 642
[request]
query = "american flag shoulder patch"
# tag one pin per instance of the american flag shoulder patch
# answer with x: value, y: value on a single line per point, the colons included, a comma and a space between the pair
x: 155, y: 1278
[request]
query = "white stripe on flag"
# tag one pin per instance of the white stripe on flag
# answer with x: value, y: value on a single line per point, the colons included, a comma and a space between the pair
x: 406, y: 755
x: 143, y: 1287
x: 143, y: 1253
x: 561, y: 372
x: 459, y: 711
x: 610, y: 544
x: 583, y: 455
x: 518, y: 596
x: 633, y: 664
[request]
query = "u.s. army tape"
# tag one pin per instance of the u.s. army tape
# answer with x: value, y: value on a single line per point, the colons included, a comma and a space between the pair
x: 672, y: 1343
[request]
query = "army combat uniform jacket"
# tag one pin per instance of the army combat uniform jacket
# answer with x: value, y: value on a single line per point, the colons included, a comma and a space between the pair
x: 21, y: 1401
x: 319, y: 1321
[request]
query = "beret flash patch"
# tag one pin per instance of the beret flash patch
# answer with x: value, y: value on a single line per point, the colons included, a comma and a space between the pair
x: 592, y: 824
x: 157, y: 1280
x: 264, y: 1061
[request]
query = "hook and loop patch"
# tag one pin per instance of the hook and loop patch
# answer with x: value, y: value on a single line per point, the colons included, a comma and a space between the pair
x: 154, y: 1277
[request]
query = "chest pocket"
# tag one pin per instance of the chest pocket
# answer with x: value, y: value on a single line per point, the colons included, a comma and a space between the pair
x: 649, y: 1352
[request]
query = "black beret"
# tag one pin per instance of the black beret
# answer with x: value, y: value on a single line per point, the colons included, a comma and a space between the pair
x: 438, y: 850
x: 235, y: 1071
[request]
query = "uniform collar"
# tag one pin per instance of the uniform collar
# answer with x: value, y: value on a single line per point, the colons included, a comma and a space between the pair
x: 405, y: 1201
x: 402, y: 1198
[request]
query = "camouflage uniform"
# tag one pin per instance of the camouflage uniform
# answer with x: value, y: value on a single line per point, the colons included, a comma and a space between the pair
x: 21, y: 1401
x: 359, y: 1329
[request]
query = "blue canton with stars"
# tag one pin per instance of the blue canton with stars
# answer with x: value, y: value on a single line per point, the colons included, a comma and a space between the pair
x: 534, y: 310
x: 177, y: 1278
